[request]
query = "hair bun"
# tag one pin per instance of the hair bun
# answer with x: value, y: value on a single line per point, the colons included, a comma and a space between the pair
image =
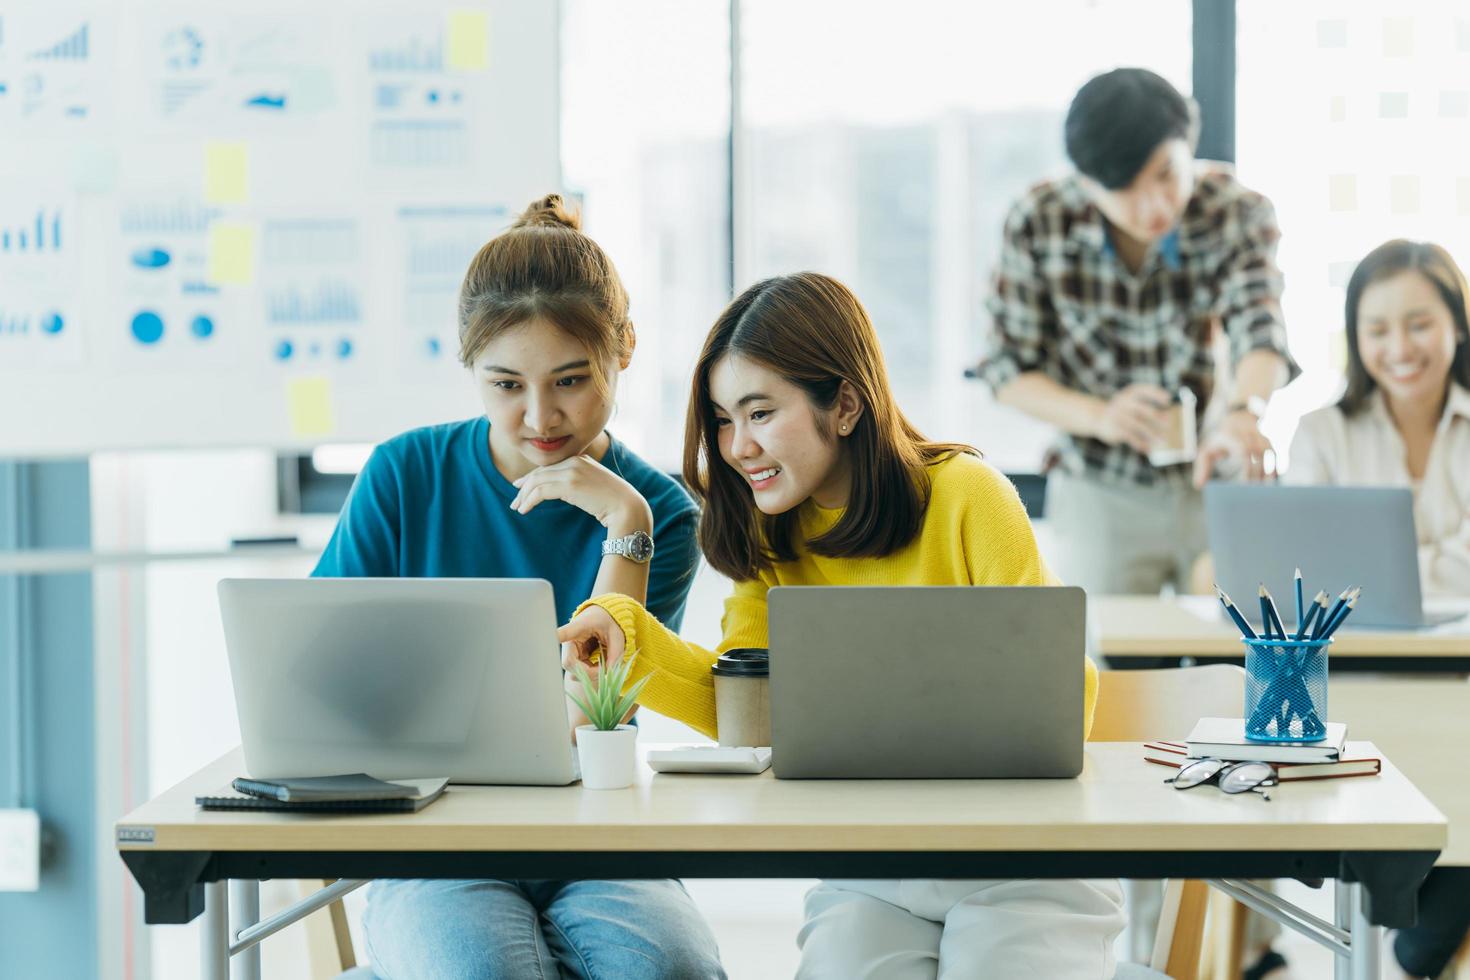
x: 549, y: 210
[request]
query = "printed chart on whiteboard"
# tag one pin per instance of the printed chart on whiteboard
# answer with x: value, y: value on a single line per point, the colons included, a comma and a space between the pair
x: 226, y: 231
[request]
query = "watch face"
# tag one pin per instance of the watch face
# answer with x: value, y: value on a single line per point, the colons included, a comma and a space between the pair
x: 640, y: 547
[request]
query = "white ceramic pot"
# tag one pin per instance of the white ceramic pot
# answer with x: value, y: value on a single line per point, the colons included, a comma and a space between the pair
x: 609, y: 759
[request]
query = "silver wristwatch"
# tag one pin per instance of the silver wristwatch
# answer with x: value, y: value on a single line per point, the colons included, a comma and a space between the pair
x: 637, y: 546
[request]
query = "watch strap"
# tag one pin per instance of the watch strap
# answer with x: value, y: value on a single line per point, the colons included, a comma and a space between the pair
x: 637, y: 547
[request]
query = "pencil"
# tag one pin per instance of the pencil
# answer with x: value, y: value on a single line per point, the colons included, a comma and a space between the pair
x: 1319, y: 603
x: 1269, y: 615
x: 1241, y: 624
x: 1342, y: 614
x: 1324, y: 621
x: 1300, y: 610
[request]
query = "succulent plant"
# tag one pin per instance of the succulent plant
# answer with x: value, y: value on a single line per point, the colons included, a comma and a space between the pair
x: 606, y: 704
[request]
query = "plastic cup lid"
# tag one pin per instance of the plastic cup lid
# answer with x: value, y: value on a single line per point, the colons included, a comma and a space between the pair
x: 744, y: 662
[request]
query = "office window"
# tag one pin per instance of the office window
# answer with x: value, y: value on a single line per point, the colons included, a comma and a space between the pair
x: 885, y: 144
x: 1367, y: 142
x: 645, y: 130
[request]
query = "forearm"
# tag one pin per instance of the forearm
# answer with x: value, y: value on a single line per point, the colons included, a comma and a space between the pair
x: 1041, y: 397
x: 1444, y: 565
x: 681, y: 686
x: 620, y: 574
x: 1258, y: 374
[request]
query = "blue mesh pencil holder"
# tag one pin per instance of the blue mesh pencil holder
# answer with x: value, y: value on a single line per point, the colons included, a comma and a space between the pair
x: 1286, y: 690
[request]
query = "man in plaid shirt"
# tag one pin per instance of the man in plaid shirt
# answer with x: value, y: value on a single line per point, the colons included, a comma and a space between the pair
x: 1110, y: 287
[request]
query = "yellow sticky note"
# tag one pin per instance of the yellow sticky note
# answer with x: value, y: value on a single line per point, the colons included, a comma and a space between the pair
x: 226, y: 173
x: 309, y: 404
x: 1342, y: 192
x: 1403, y: 194
x: 469, y: 40
x: 1337, y: 111
x: 232, y: 253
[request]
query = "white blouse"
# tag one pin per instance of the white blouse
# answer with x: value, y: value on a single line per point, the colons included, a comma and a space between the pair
x: 1368, y: 450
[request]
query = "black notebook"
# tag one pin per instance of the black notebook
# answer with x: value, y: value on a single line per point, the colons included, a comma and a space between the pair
x: 420, y: 793
x: 326, y: 789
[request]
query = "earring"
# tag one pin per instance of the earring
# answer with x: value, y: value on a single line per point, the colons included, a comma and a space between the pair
x: 844, y: 428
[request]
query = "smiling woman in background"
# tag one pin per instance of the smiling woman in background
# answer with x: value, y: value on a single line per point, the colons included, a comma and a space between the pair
x: 1405, y: 421
x: 1405, y: 417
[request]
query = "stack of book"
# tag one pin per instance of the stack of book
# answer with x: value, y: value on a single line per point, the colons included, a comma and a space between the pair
x: 1224, y: 738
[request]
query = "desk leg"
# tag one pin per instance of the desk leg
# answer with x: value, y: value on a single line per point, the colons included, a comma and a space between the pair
x: 1342, y: 893
x: 1366, y: 938
x: 214, y: 939
x: 245, y: 912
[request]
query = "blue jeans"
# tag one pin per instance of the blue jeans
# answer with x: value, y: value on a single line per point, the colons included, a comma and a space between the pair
x: 537, y: 930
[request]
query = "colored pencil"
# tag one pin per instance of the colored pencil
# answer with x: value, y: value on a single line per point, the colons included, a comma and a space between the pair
x: 1337, y: 621
x: 1323, y: 622
x: 1241, y: 624
x: 1274, y: 626
x: 1300, y: 610
x: 1319, y: 603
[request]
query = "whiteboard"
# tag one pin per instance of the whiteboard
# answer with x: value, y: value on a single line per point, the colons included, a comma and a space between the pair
x: 227, y: 225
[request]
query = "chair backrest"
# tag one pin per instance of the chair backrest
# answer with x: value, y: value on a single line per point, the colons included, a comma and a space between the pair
x: 1140, y: 705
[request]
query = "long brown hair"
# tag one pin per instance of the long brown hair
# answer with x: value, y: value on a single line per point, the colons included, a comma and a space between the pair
x: 543, y: 266
x: 1389, y: 259
x: 811, y: 330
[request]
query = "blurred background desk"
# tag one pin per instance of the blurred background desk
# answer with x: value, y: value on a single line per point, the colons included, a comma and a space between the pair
x: 1143, y: 630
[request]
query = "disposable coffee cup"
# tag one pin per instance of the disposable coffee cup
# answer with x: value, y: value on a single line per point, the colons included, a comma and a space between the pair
x: 743, y: 696
x: 1179, y: 443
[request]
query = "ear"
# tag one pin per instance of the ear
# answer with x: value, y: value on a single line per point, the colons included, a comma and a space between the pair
x: 847, y: 411
x: 627, y: 358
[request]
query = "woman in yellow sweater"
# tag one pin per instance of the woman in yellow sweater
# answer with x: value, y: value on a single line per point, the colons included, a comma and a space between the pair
x: 811, y: 475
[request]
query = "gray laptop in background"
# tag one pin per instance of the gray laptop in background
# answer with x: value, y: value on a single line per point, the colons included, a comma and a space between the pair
x: 1337, y: 536
x: 926, y: 682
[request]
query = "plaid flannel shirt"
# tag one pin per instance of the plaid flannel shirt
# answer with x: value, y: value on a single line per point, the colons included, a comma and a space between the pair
x: 1065, y: 304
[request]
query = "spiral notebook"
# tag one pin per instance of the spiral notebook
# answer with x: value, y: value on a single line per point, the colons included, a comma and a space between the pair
x: 425, y: 791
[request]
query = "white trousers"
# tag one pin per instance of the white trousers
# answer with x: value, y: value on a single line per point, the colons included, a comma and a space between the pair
x: 920, y: 929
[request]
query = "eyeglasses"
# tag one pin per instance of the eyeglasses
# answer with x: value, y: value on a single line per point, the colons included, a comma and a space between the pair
x: 1231, y: 777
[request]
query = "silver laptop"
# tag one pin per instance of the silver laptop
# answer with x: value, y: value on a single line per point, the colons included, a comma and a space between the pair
x: 1338, y: 536
x: 398, y: 678
x: 926, y: 682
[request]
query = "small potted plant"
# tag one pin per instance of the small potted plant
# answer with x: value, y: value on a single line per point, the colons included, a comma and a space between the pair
x: 608, y: 749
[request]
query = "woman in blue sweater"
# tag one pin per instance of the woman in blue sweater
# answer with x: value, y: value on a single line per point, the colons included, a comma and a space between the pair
x: 534, y: 488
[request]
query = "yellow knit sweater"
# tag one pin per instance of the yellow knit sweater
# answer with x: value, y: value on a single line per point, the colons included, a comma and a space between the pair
x: 975, y: 532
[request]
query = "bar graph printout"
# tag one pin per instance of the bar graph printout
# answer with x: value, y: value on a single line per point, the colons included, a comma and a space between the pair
x: 38, y: 321
x: 214, y: 201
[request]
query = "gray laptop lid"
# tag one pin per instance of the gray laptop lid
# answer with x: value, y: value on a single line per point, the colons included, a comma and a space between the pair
x: 398, y: 678
x: 923, y: 682
x: 1338, y: 536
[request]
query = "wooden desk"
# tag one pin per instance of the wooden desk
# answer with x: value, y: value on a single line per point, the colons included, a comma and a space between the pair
x: 1192, y: 626
x: 1117, y: 819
